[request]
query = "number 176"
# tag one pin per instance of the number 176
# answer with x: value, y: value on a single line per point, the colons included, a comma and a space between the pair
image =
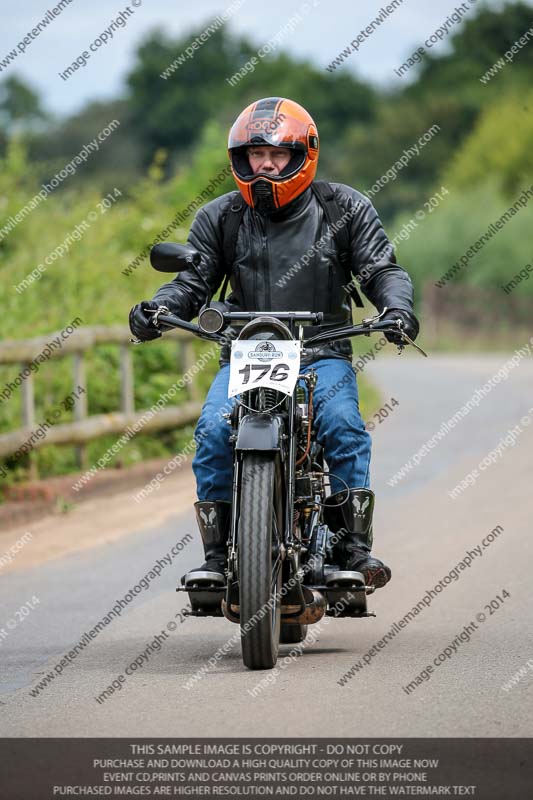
x: 279, y: 373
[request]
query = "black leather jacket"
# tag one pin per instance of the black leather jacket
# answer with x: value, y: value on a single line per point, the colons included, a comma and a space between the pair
x: 267, y: 273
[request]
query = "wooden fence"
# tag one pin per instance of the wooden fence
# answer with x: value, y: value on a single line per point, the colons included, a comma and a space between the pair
x: 85, y: 428
x: 475, y: 312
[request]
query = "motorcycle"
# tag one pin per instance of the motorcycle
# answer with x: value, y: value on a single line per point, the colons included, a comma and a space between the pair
x: 281, y: 576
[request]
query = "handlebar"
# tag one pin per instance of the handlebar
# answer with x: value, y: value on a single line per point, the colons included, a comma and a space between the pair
x: 367, y: 326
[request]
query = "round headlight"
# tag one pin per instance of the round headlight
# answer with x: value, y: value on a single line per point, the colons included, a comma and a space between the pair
x: 211, y: 320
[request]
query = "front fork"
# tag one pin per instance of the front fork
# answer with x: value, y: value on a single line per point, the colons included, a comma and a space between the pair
x: 290, y: 545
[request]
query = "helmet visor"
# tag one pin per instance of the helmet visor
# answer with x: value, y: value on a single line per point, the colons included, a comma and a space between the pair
x: 269, y: 128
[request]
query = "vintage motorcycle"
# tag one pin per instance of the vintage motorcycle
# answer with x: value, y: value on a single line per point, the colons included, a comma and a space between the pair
x: 280, y: 576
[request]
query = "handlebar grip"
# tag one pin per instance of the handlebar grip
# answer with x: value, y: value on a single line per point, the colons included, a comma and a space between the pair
x: 175, y: 322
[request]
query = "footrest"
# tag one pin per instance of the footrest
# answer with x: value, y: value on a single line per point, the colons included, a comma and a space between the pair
x: 206, y: 591
x: 203, y: 579
x: 344, y: 578
x: 346, y: 593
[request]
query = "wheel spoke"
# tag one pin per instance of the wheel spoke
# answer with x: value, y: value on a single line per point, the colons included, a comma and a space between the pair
x: 275, y: 572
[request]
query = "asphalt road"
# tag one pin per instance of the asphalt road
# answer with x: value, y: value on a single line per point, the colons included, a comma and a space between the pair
x: 420, y: 530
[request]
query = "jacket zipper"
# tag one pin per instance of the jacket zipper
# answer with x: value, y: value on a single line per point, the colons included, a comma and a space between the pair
x: 265, y: 261
x: 330, y: 286
x: 268, y: 299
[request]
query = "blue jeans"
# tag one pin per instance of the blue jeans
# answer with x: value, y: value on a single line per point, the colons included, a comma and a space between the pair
x: 336, y: 419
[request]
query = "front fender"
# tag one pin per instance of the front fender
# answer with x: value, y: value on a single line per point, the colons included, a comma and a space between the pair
x: 260, y: 431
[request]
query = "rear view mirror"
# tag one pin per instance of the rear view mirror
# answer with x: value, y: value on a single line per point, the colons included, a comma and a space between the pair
x: 173, y: 257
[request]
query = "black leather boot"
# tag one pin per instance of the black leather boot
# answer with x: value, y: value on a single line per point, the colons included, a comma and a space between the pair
x: 351, y: 521
x: 213, y: 517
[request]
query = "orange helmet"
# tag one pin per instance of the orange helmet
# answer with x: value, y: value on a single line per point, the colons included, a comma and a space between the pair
x: 276, y: 122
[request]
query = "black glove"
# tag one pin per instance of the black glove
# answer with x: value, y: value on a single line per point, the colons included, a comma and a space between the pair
x: 410, y: 324
x: 141, y: 322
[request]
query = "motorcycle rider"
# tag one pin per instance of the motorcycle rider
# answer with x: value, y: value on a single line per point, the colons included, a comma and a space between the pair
x: 273, y: 149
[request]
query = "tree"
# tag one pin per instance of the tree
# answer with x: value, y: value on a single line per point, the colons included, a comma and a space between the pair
x: 119, y: 158
x: 171, y: 112
x: 498, y: 149
x: 20, y: 106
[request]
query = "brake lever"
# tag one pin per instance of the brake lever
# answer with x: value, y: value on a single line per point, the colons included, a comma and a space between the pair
x: 369, y: 321
x: 414, y: 344
x: 408, y: 339
x: 156, y: 312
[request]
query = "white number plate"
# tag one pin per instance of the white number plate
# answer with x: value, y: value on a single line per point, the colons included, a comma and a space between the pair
x: 272, y: 363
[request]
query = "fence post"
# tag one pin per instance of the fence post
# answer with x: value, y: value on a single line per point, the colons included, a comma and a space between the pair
x: 80, y: 405
x: 127, y: 398
x: 28, y: 417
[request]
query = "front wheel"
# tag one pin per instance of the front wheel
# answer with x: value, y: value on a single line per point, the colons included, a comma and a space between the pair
x: 259, y: 556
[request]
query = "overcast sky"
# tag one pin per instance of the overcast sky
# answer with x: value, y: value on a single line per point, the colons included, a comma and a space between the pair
x: 325, y: 30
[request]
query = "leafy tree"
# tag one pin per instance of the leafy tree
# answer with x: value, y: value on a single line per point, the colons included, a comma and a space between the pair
x: 481, y: 39
x: 170, y: 113
x: 446, y: 90
x: 20, y: 105
x: 498, y: 149
x: 119, y: 159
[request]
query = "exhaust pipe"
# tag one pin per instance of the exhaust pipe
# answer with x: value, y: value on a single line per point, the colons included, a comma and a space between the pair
x: 313, y: 612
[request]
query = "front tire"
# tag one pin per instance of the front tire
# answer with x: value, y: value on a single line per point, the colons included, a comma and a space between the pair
x: 259, y: 537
